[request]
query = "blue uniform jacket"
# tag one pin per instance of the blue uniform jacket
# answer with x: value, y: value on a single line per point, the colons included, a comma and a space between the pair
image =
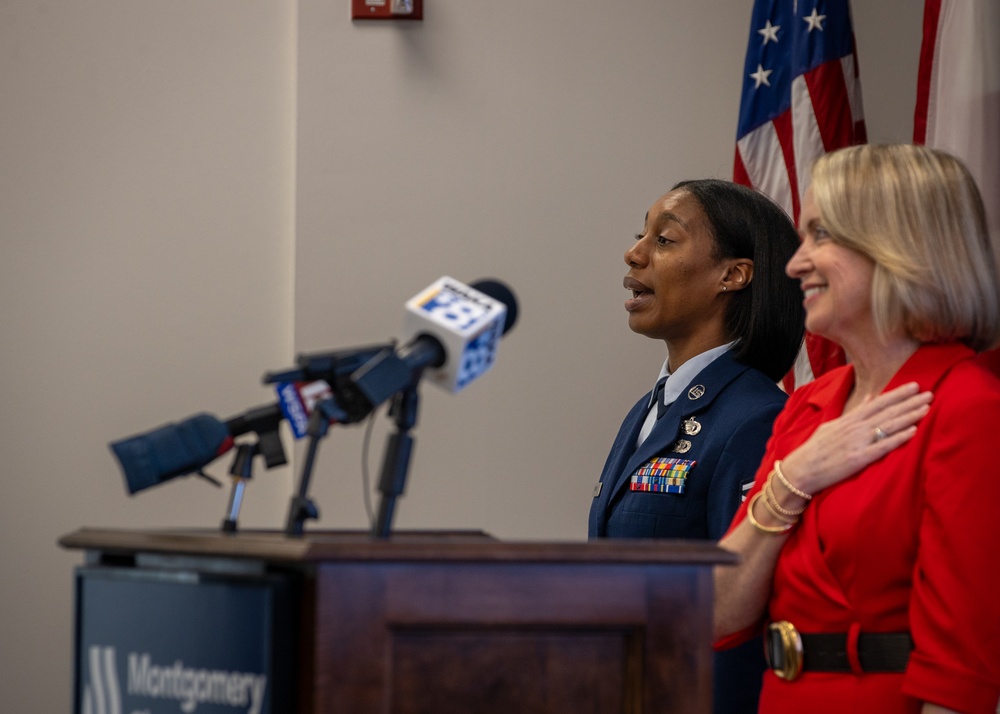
x: 721, y: 423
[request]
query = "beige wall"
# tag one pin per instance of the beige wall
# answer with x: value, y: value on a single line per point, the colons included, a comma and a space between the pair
x: 192, y: 192
x: 146, y: 219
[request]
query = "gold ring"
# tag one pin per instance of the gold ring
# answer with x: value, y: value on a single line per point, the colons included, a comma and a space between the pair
x: 879, y: 434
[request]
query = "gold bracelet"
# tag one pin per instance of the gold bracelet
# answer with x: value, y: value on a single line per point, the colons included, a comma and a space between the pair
x: 772, y: 500
x: 771, y: 509
x: 770, y: 530
x: 784, y: 482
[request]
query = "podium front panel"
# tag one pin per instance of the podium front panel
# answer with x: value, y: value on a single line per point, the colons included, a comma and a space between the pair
x: 526, y: 638
x: 162, y: 641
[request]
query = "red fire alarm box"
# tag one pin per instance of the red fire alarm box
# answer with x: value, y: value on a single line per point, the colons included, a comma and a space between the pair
x: 387, y: 9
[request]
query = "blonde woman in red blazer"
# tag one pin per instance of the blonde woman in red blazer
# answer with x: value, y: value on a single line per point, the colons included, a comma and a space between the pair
x: 869, y: 540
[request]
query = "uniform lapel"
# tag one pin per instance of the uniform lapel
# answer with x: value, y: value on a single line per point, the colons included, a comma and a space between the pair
x: 622, y: 451
x: 697, y: 398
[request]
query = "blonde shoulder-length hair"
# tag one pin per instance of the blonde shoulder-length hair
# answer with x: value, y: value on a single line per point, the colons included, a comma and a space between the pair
x: 917, y: 214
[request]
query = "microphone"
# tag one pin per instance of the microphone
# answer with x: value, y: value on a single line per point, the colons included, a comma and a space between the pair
x: 301, y: 389
x: 298, y: 401
x: 185, y: 447
x: 453, y: 332
x: 455, y: 329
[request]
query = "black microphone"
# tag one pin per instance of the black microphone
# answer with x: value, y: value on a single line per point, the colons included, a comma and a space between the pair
x: 303, y: 388
x: 185, y: 447
x: 453, y: 330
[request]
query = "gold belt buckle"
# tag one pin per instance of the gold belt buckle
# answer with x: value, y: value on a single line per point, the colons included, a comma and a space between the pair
x: 784, y: 634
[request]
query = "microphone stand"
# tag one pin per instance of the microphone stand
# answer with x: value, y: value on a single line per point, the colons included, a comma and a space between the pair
x: 396, y: 461
x: 301, y: 506
x: 264, y: 422
x: 373, y: 376
x: 242, y: 471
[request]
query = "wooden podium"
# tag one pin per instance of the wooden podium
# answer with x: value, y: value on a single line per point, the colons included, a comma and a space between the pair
x: 432, y: 623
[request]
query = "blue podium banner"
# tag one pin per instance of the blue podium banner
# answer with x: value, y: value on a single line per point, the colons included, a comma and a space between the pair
x: 160, y: 641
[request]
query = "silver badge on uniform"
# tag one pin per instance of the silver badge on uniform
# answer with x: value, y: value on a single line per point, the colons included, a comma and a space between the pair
x: 597, y: 489
x: 696, y: 392
x: 682, y: 446
x: 691, y: 426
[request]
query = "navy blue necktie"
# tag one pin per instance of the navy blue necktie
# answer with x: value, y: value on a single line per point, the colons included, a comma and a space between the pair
x: 661, y: 408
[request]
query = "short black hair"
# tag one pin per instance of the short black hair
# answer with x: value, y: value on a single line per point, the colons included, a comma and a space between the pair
x: 766, y: 319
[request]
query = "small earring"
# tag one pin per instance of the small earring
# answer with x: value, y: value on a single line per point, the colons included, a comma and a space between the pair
x: 724, y: 288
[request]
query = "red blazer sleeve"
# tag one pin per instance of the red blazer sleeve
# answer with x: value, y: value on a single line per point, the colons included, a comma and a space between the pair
x: 955, y: 602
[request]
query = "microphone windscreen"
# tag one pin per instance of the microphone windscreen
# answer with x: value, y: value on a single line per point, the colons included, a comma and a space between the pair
x: 499, y: 291
x: 171, y: 450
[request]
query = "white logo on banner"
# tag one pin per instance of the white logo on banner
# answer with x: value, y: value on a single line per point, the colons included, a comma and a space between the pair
x: 102, y: 695
x: 187, y: 685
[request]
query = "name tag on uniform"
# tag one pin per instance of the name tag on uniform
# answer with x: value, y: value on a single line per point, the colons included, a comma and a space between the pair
x: 662, y: 475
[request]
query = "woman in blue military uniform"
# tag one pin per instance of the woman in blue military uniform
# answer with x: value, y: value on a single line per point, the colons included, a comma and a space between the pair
x: 707, y: 276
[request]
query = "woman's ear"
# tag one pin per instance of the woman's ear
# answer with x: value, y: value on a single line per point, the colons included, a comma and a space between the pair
x: 738, y: 275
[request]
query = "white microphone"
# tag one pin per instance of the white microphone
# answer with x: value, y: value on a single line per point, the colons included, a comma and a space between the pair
x: 467, y: 321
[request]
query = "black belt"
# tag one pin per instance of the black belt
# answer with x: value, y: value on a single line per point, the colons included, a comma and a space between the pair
x: 790, y: 652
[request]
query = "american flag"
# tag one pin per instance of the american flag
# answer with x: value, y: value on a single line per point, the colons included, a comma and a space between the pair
x: 801, y: 98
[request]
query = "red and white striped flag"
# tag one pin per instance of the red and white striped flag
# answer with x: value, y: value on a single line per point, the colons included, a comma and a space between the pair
x: 801, y: 98
x: 958, y: 91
